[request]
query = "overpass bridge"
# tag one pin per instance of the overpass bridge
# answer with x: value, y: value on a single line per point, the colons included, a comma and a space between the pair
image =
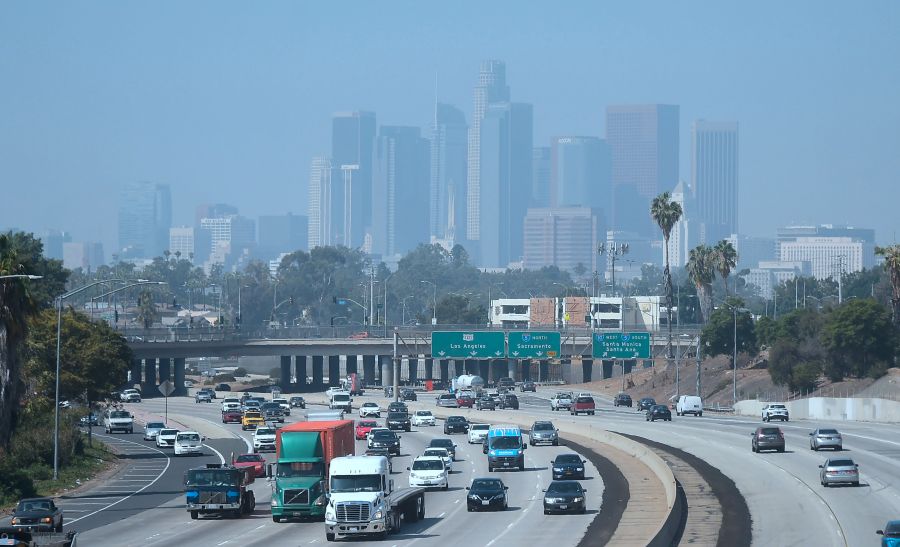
x: 160, y: 354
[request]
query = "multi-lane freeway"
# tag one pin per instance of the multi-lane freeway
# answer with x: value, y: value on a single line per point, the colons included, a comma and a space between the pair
x: 143, y: 505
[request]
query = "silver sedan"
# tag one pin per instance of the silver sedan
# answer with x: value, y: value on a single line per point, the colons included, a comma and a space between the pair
x: 825, y: 438
x: 839, y: 471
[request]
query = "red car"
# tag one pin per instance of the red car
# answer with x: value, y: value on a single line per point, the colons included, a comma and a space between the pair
x: 231, y: 417
x: 465, y: 401
x: 363, y: 427
x: 254, y: 461
x: 582, y: 404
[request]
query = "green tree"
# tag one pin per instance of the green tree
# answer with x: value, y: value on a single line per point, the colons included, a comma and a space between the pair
x: 718, y: 334
x: 701, y: 270
x: 796, y: 364
x: 891, y: 256
x: 766, y: 329
x: 859, y: 339
x: 147, y: 313
x: 666, y: 213
x: 725, y: 259
x: 455, y: 309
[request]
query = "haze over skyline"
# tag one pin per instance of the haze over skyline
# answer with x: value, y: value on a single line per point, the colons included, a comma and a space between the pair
x: 228, y: 102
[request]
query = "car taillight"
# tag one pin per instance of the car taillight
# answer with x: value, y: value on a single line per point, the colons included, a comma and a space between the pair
x: 761, y: 436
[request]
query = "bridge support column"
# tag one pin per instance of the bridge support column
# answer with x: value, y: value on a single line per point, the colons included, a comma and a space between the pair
x: 543, y: 370
x: 511, y: 369
x: 180, y: 390
x: 300, y: 372
x: 148, y: 388
x: 481, y: 368
x: 137, y: 372
x: 318, y: 372
x: 334, y: 370
x: 387, y: 370
x: 459, y: 368
x: 587, y: 369
x: 351, y: 364
x: 444, y: 366
x: 369, y: 369
x: 628, y: 366
x: 413, y: 370
x: 285, y: 382
x: 607, y: 368
x: 525, y: 369
x: 429, y: 368
x: 165, y: 370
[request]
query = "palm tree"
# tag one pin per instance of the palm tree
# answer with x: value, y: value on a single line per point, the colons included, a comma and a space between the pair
x: 892, y: 265
x: 666, y: 213
x: 146, y: 310
x: 725, y: 257
x: 701, y: 268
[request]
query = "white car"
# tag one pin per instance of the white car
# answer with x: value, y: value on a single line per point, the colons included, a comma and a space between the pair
x: 370, y: 410
x: 130, y: 396
x: 775, y: 411
x: 371, y: 433
x: 231, y: 403
x: 152, y: 429
x: 477, y: 433
x: 166, y: 438
x: 264, y: 439
x: 188, y: 442
x: 443, y: 454
x: 422, y: 417
x: 284, y: 404
x: 428, y: 471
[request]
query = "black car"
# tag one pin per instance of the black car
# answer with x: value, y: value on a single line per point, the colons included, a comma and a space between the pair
x: 297, y: 402
x: 564, y: 497
x: 622, y: 399
x: 223, y: 387
x: 646, y: 403
x: 568, y: 466
x: 398, y: 420
x: 444, y: 443
x: 398, y: 406
x: 272, y: 412
x: 485, y: 403
x: 455, y: 424
x: 658, y: 412
x: 386, y: 439
x: 408, y: 395
x: 528, y: 386
x: 509, y: 401
x: 486, y: 493
x: 37, y: 515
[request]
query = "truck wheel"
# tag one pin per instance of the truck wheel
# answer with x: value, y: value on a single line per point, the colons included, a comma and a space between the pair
x: 276, y: 519
x: 329, y: 536
x: 397, y: 523
x: 195, y: 515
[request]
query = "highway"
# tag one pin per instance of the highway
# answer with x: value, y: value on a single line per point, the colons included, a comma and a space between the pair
x: 165, y: 521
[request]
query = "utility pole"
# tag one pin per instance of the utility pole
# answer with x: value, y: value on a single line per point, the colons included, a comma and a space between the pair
x: 612, y: 250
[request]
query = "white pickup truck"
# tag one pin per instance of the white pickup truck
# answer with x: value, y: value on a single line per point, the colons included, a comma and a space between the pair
x: 561, y: 401
x: 362, y: 500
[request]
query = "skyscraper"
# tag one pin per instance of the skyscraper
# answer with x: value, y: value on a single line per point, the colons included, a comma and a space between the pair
x: 714, y: 177
x: 352, y: 139
x: 581, y: 173
x: 319, y: 206
x: 505, y: 177
x: 400, y: 188
x: 145, y: 216
x: 541, y: 169
x: 448, y: 173
x: 491, y: 88
x: 182, y: 242
x: 563, y: 237
x: 281, y: 234
x: 643, y: 141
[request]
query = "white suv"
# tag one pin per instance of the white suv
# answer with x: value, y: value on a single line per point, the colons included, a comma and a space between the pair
x: 775, y: 411
x: 188, y: 442
x: 422, y: 417
x: 477, y: 433
x: 264, y: 439
x: 231, y: 403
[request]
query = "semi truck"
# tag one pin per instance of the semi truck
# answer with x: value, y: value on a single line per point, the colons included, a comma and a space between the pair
x: 303, y: 454
x: 362, y: 500
x: 353, y: 384
x: 469, y: 382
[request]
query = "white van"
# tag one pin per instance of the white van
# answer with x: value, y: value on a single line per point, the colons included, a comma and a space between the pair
x: 118, y: 420
x: 341, y: 401
x: 689, y: 404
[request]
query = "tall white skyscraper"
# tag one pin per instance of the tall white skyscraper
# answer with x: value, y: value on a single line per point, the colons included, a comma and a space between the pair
x: 714, y: 177
x: 319, y: 204
x: 448, y: 173
x: 181, y: 242
x: 491, y: 88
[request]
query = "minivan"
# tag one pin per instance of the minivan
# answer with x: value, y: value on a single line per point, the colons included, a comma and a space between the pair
x: 689, y: 404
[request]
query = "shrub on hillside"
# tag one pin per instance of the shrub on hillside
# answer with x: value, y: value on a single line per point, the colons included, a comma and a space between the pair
x: 240, y: 372
x: 223, y: 378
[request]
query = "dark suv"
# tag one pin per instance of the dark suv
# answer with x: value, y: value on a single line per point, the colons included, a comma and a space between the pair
x: 398, y: 420
x: 508, y: 400
x: 408, y: 395
x: 767, y: 438
x: 485, y: 403
x: 568, y: 466
x: 455, y: 424
x: 646, y: 403
x: 528, y: 386
x: 623, y: 399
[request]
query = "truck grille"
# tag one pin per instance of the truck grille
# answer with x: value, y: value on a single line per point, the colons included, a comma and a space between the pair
x: 352, y: 511
x: 212, y: 497
x: 297, y: 495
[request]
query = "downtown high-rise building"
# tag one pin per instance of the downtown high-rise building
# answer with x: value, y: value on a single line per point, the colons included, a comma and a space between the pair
x: 563, y: 237
x: 541, y: 176
x: 582, y: 171
x: 491, y: 88
x: 182, y: 242
x: 505, y: 176
x: 447, y: 192
x: 319, y: 205
x: 643, y: 141
x: 145, y: 216
x: 279, y: 234
x: 714, y: 178
x: 400, y: 188
x: 352, y: 141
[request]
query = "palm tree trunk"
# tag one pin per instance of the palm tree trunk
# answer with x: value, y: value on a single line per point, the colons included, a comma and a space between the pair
x: 668, y: 281
x: 9, y: 384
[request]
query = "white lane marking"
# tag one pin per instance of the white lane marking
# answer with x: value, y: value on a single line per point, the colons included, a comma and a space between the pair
x: 219, y: 454
x: 457, y: 501
x: 442, y: 514
x: 148, y: 485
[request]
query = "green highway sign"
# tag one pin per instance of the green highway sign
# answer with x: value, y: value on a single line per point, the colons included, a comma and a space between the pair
x: 533, y: 345
x: 468, y: 345
x: 621, y: 345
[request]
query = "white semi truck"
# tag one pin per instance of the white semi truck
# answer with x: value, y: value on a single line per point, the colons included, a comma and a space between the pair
x: 362, y: 500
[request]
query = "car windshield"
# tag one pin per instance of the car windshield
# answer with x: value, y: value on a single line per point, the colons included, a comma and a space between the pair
x: 456, y: 420
x: 341, y: 397
x: 542, y: 426
x: 156, y: 425
x: 369, y: 405
x: 426, y: 413
x: 265, y: 431
x: 367, y: 424
x: 563, y: 396
x: 486, y: 485
x: 188, y: 437
x: 356, y: 483
x: 251, y: 403
x: 33, y: 505
x: 840, y: 463
x: 506, y: 442
x: 441, y: 443
x: 659, y: 408
x: 211, y: 477
x: 568, y: 458
x: 300, y: 469
x: 245, y: 458
x: 892, y: 530
x: 119, y: 414
x: 777, y: 407
x: 479, y: 427
x: 252, y: 415
x: 427, y: 465
x: 446, y: 396
x: 769, y: 430
x: 397, y: 416
x: 828, y: 432
x: 384, y: 436
x: 585, y: 400
x: 564, y: 488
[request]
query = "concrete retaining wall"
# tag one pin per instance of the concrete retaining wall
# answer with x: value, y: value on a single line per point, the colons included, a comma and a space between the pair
x: 832, y: 409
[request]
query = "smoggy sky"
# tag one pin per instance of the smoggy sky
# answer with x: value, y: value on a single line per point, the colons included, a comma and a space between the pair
x: 228, y: 101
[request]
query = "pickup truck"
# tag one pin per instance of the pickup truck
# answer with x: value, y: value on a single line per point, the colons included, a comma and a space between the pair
x: 561, y: 401
x: 582, y: 404
x: 23, y: 538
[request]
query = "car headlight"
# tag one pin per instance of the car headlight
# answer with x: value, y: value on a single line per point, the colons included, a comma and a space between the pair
x: 558, y: 469
x: 14, y: 521
x: 276, y: 498
x: 578, y: 500
x: 46, y: 520
x: 378, y: 515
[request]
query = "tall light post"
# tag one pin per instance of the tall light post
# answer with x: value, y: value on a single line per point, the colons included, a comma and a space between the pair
x: 59, y: 300
x: 21, y: 276
x: 613, y: 250
x: 734, y: 310
x: 403, y: 305
x: 433, y: 301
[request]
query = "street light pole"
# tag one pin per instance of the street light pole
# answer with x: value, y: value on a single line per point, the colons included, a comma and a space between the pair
x: 433, y: 301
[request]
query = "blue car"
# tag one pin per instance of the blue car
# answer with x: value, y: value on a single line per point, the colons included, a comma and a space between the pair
x: 890, y: 536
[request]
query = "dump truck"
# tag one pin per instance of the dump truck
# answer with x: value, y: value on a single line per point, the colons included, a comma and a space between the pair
x: 303, y: 455
x: 219, y: 489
